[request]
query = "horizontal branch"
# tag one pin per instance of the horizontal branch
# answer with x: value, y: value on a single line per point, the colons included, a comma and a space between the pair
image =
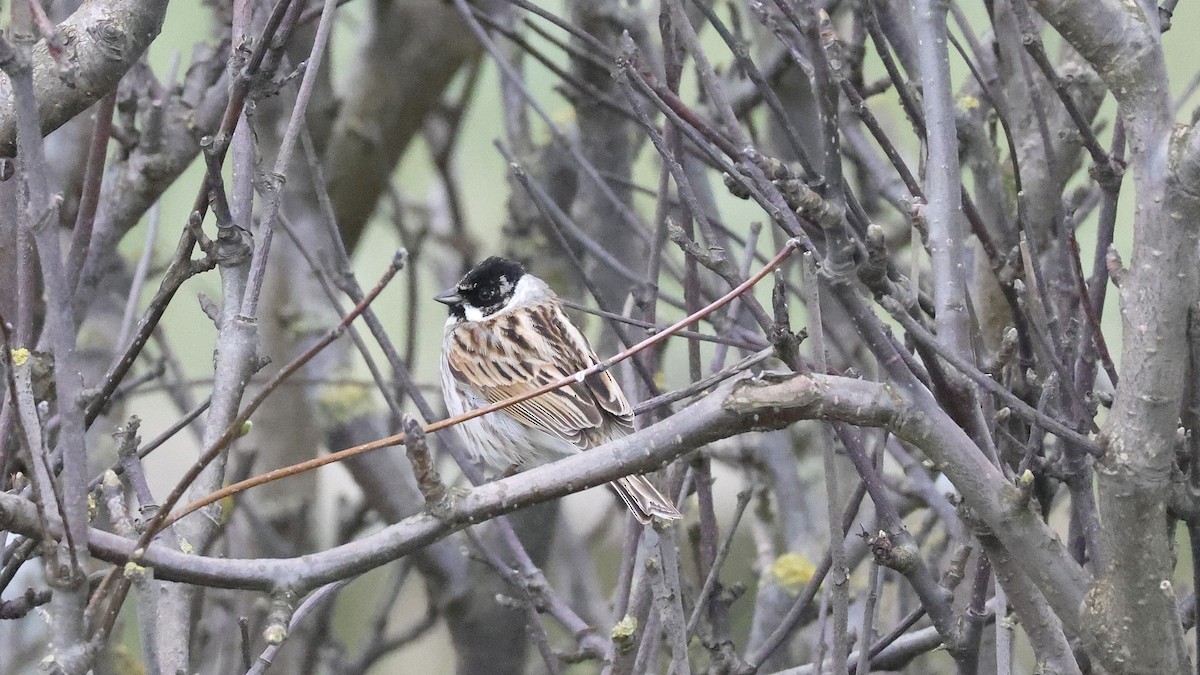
x: 762, y: 402
x: 726, y: 412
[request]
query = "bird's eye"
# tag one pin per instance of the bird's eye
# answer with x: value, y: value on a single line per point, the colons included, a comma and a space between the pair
x: 487, y: 294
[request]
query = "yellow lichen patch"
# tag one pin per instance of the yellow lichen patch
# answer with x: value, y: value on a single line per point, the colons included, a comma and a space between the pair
x: 792, y: 571
x: 565, y: 115
x: 968, y: 102
x: 344, y: 402
x: 623, y: 633
x: 185, y: 546
x: 133, y: 570
x: 20, y: 357
x: 625, y: 628
x: 275, y: 634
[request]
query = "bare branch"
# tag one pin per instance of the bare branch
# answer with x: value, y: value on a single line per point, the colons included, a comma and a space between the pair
x: 739, y: 405
x: 106, y: 39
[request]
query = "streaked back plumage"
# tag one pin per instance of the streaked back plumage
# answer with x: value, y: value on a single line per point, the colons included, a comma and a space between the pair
x: 521, y: 340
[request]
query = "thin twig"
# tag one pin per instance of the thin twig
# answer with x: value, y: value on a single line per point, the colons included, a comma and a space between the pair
x: 714, y: 572
x: 788, y: 622
x: 272, y: 200
x: 235, y: 428
x: 312, y: 603
x: 1017, y: 405
x: 140, y: 273
x: 89, y: 197
x: 652, y: 328
x: 874, y: 589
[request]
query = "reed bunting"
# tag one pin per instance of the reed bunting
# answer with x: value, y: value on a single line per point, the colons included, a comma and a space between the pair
x: 508, y: 334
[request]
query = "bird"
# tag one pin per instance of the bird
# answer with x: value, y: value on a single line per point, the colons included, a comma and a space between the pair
x: 507, y: 334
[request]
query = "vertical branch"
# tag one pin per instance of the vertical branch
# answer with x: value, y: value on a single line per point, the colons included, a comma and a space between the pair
x: 1130, y: 614
x: 943, y: 184
x: 668, y: 600
x: 242, y: 146
x: 675, y: 24
x: 866, y: 637
x: 66, y: 571
x: 1044, y: 629
x: 607, y: 141
x: 90, y: 199
x: 258, y: 266
x: 114, y: 499
x: 809, y: 23
x: 712, y: 580
x: 1004, y: 631
x: 840, y: 572
x: 237, y: 350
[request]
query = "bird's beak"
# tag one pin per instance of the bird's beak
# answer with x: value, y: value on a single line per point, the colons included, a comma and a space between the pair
x: 449, y: 296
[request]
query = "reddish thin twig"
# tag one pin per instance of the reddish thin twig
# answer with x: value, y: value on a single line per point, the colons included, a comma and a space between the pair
x: 160, y: 520
x: 49, y: 32
x: 397, y: 439
x: 1089, y: 311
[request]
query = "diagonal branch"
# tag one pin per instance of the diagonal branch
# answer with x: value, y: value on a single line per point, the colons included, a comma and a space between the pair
x: 746, y: 403
x: 104, y: 38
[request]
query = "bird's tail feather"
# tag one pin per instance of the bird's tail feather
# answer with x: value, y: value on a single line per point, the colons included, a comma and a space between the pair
x: 644, y: 500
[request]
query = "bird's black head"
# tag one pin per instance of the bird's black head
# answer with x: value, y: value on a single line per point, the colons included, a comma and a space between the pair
x: 485, y: 289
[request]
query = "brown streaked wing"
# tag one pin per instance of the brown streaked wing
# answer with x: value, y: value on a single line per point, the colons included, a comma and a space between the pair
x: 602, y: 386
x: 516, y: 352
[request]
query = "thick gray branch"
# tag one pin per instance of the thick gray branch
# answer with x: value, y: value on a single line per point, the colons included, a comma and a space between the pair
x: 102, y: 40
x: 1130, y: 612
x: 724, y: 413
x: 1116, y: 38
x: 410, y: 53
x: 748, y: 403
